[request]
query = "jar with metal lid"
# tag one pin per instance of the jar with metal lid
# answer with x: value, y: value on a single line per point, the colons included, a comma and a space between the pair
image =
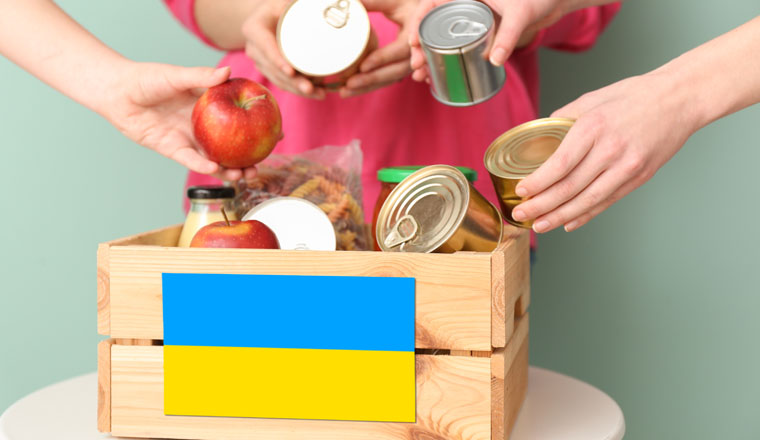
x: 206, y: 204
x: 392, y: 176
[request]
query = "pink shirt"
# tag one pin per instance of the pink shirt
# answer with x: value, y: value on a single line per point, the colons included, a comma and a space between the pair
x: 403, y: 124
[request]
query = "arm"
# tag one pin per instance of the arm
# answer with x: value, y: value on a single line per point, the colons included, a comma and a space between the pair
x: 625, y: 132
x: 149, y: 103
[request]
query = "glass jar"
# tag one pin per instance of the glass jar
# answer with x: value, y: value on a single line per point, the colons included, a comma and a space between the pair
x: 392, y: 176
x: 206, y: 204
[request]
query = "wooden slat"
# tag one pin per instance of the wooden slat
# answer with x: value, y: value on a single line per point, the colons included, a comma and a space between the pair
x: 104, y: 385
x: 166, y: 236
x: 510, y: 280
x: 509, y: 370
x: 104, y: 297
x: 453, y: 403
x: 453, y: 291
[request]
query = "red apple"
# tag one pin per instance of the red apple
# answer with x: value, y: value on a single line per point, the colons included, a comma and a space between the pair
x: 237, y: 123
x: 251, y: 234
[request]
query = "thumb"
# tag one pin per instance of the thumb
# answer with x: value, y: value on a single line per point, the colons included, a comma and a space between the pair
x: 185, y: 78
x: 505, y: 40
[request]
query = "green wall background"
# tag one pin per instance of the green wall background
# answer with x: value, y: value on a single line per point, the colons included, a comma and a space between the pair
x: 655, y: 302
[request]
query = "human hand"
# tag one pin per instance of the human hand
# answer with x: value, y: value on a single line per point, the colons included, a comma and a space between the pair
x: 386, y: 65
x: 152, y: 104
x: 518, y: 22
x: 260, y: 30
x: 622, y: 135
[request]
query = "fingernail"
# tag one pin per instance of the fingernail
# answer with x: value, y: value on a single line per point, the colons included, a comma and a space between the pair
x: 304, y: 88
x: 571, y: 226
x: 518, y: 215
x: 521, y: 192
x: 541, y: 226
x: 498, y: 56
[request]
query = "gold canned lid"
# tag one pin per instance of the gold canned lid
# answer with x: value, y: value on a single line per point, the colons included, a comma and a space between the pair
x: 424, y: 210
x: 323, y: 37
x: 521, y: 150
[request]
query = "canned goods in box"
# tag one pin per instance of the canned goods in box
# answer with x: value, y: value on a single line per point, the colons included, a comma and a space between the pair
x: 436, y: 209
x: 456, y: 37
x: 297, y: 223
x: 324, y: 39
x: 517, y: 153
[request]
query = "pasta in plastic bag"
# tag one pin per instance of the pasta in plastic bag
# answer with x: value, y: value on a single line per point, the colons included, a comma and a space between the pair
x: 329, y: 177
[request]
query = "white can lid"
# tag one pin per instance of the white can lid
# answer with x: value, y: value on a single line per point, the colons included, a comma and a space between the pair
x: 297, y: 223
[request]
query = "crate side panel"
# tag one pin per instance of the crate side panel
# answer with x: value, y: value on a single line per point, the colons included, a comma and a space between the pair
x: 509, y: 380
x: 453, y: 402
x: 453, y: 292
x: 510, y: 283
x: 104, y: 385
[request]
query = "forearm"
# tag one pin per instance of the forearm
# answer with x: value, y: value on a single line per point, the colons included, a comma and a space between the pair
x: 38, y: 36
x: 719, y: 77
x: 221, y: 21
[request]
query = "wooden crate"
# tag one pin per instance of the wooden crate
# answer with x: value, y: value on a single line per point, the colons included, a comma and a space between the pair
x: 471, y: 337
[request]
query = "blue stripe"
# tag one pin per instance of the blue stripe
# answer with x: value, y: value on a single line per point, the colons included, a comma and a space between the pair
x: 285, y: 311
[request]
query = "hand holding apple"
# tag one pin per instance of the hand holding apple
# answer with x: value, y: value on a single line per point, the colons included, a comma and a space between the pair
x: 237, y: 123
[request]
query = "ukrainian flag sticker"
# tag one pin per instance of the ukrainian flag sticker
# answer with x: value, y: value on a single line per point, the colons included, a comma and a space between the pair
x: 295, y: 347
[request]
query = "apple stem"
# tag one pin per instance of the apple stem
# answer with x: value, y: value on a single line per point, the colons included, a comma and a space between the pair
x: 225, y: 217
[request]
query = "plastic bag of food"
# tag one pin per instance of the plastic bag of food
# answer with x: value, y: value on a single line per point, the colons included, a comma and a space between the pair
x: 329, y: 177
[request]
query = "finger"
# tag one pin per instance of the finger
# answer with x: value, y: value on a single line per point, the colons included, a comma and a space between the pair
x: 595, y: 194
x: 595, y: 162
x: 598, y: 209
x: 297, y: 84
x: 189, y: 157
x: 417, y: 58
x: 511, y: 27
x: 385, y: 75
x: 250, y: 173
x: 570, y: 152
x: 231, y: 175
x: 265, y: 42
x: 396, y: 51
x: 421, y: 74
x: 423, y: 7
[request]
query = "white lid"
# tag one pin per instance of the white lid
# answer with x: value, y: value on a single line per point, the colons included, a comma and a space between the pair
x: 323, y: 37
x: 297, y: 223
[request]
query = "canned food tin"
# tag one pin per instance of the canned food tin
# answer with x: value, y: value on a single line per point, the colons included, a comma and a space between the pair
x: 324, y: 39
x: 517, y: 153
x: 297, y: 223
x: 436, y: 209
x: 456, y: 37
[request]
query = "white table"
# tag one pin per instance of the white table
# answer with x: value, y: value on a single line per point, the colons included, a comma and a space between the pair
x: 557, y: 407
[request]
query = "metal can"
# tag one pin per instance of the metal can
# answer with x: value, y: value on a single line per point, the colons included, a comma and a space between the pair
x: 517, y: 153
x: 436, y: 209
x: 324, y: 39
x: 297, y: 223
x: 456, y: 37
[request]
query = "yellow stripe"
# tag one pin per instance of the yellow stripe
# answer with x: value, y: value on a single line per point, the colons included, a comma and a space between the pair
x: 289, y: 383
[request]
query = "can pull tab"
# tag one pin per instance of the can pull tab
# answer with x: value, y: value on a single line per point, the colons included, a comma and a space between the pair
x: 467, y: 28
x: 404, y: 230
x: 336, y: 15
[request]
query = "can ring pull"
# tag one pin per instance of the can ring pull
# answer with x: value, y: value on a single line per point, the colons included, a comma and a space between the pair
x: 404, y: 230
x: 336, y: 15
x: 467, y: 28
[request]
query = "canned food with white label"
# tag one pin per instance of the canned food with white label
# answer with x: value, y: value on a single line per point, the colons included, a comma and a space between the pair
x: 324, y: 40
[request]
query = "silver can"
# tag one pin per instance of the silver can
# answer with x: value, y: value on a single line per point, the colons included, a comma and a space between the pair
x: 456, y: 37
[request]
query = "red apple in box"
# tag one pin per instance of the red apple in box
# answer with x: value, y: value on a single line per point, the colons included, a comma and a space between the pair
x: 237, y: 123
x: 250, y: 234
